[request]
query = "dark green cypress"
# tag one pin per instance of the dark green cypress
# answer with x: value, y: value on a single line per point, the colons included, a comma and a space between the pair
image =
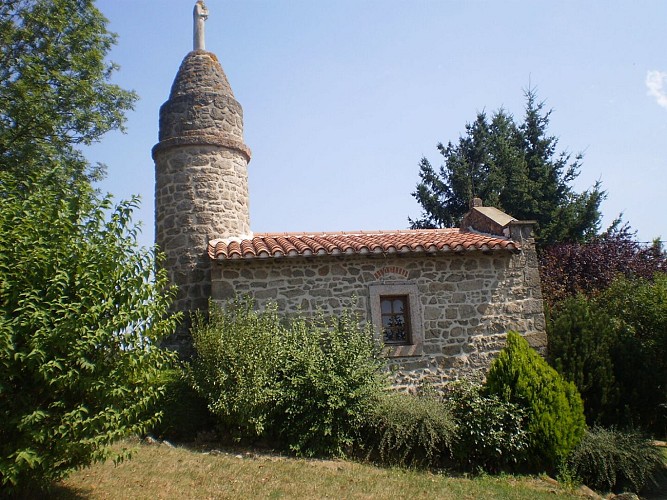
x: 555, y: 412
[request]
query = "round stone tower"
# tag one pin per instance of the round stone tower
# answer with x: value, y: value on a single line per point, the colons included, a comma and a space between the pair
x: 201, y: 180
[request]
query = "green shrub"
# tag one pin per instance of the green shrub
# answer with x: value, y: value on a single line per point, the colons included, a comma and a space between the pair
x: 81, y: 321
x: 404, y: 429
x: 582, y: 339
x: 616, y: 344
x: 83, y: 309
x: 307, y: 383
x: 490, y: 432
x: 639, y: 309
x: 184, y: 412
x: 236, y: 367
x: 329, y: 376
x: 554, y: 408
x: 611, y: 460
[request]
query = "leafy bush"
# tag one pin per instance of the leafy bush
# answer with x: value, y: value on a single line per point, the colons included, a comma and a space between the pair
x: 329, y: 376
x: 405, y: 429
x: 554, y: 408
x: 582, y: 340
x: 184, y: 412
x: 639, y: 310
x: 82, y: 312
x: 490, y: 432
x: 236, y: 367
x: 616, y: 344
x: 610, y: 460
x: 307, y: 382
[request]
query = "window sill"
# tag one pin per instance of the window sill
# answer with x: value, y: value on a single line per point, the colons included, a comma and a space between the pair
x: 403, y: 351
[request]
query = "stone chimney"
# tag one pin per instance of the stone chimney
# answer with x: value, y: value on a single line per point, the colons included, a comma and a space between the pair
x: 490, y: 220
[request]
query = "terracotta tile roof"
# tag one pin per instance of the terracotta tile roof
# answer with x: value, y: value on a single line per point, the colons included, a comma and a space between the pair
x: 431, y: 241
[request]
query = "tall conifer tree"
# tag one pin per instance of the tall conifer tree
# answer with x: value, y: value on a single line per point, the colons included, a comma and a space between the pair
x: 514, y: 167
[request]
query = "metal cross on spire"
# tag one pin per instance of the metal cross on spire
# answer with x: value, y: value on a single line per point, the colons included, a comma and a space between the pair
x: 200, y: 14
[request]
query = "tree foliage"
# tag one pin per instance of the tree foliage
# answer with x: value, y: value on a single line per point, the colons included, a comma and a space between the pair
x: 80, y: 318
x: 614, y: 348
x: 514, y: 167
x: 606, y: 309
x: 569, y: 269
x: 555, y: 412
x: 55, y: 91
x: 82, y: 309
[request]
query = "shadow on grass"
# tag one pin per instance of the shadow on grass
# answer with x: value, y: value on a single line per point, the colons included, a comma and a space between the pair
x: 656, y: 491
x: 57, y: 492
x: 60, y: 492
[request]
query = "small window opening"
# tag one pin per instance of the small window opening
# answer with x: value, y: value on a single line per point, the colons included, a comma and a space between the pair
x: 395, y: 314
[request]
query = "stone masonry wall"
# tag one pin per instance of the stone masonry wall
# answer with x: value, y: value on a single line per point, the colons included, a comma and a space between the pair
x: 201, y: 192
x: 466, y: 302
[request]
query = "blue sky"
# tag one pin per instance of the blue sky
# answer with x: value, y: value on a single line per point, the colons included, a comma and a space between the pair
x: 341, y: 99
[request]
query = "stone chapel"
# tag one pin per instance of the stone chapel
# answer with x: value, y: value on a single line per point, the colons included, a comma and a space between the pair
x: 441, y: 300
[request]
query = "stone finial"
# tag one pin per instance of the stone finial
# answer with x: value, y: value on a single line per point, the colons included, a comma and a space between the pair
x: 200, y: 14
x: 475, y: 202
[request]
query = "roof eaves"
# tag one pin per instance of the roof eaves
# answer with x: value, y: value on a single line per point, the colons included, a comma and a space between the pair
x: 276, y: 246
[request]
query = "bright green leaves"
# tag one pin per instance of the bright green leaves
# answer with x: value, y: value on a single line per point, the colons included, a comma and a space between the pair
x: 555, y: 412
x: 82, y: 308
x: 307, y: 382
x: 82, y: 312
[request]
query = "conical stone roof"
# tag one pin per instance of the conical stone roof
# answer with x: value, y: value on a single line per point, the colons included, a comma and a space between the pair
x: 201, y: 73
x: 201, y: 109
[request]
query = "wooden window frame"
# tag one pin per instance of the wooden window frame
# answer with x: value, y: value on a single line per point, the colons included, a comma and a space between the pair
x: 405, y: 314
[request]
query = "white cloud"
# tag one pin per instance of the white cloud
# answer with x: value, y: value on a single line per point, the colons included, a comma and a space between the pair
x: 656, y: 83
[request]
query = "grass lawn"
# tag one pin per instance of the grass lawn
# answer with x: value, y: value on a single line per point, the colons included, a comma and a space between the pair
x: 160, y: 471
